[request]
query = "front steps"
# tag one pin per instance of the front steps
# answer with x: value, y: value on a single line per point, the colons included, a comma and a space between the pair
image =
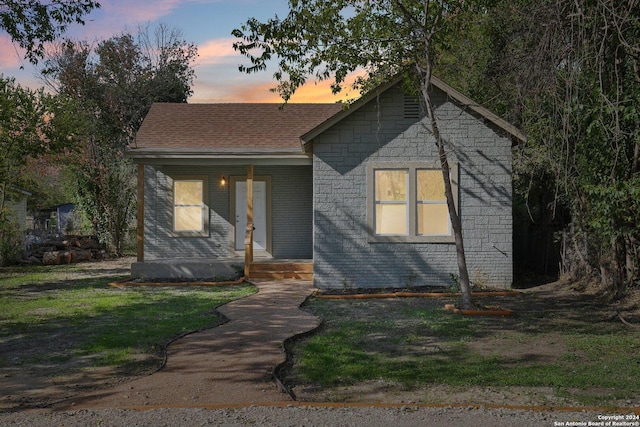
x: 282, y: 269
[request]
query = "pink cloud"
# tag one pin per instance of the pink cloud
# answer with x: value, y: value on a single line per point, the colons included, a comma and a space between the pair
x: 250, y: 90
x: 115, y: 16
x: 10, y: 53
x: 217, y: 51
x: 140, y: 10
x: 321, y: 92
x: 205, y: 91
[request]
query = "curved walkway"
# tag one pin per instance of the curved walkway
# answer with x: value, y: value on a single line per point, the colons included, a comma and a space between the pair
x: 230, y: 364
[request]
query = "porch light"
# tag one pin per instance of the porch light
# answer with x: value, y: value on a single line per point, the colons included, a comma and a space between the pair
x: 223, y: 181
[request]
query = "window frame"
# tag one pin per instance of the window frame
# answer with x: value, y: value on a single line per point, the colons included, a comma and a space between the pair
x: 204, y: 206
x: 413, y: 203
x: 426, y: 202
x: 406, y: 202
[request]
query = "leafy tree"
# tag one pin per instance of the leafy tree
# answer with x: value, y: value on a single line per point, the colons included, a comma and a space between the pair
x: 171, y: 58
x: 597, y: 151
x: 23, y: 136
x: 573, y: 68
x: 110, y: 88
x: 43, y: 178
x: 31, y: 23
x: 329, y: 39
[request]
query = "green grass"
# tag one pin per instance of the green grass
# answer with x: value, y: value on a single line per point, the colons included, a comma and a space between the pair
x: 419, y: 346
x: 48, y: 318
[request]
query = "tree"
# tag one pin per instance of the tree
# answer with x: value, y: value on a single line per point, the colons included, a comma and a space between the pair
x: 20, y: 119
x: 590, y: 135
x: 576, y: 83
x: 110, y: 87
x: 330, y: 39
x: 171, y: 58
x: 32, y: 23
x: 24, y: 135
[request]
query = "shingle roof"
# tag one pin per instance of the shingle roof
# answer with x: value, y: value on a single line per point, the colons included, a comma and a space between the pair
x: 230, y: 127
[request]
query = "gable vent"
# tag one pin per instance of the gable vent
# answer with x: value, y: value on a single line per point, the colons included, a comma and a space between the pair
x: 411, y: 106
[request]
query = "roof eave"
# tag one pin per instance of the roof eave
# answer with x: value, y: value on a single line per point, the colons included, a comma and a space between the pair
x: 20, y: 191
x: 484, y: 112
x: 220, y: 156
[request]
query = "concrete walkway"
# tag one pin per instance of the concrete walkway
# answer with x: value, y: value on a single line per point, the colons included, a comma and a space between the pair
x: 229, y: 364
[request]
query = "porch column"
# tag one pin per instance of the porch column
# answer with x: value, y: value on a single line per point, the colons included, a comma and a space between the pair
x: 248, y: 239
x: 140, y: 214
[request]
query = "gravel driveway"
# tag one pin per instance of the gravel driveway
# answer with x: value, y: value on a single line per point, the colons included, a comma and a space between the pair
x: 315, y: 416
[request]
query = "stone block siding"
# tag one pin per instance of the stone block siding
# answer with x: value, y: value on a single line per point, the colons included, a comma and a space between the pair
x: 378, y: 132
x: 291, y: 213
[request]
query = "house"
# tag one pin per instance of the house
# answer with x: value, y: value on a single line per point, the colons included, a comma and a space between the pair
x: 355, y: 194
x: 57, y: 220
x: 17, y: 205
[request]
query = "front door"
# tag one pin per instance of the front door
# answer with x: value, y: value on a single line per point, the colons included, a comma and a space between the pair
x: 259, y: 215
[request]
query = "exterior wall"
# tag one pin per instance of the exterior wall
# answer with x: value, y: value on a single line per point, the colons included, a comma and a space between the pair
x: 344, y: 256
x: 291, y: 213
x: 19, y: 209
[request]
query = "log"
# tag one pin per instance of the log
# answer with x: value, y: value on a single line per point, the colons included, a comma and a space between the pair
x: 78, y: 255
x: 51, y: 258
x: 70, y: 250
x: 90, y: 243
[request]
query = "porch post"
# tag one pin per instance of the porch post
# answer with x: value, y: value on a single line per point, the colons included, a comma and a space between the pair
x: 140, y: 214
x: 248, y: 240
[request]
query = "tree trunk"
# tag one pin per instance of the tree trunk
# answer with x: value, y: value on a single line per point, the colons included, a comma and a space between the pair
x: 465, y: 286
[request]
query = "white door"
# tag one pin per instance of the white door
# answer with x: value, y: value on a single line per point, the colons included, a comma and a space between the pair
x: 259, y: 215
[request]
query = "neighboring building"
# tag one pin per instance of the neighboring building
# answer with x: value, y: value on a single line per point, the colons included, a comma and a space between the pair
x: 56, y: 219
x: 357, y: 191
x: 63, y: 216
x: 18, y: 205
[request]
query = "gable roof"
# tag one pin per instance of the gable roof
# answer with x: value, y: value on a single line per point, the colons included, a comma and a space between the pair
x: 452, y: 93
x: 482, y: 111
x: 228, y: 128
x: 265, y: 130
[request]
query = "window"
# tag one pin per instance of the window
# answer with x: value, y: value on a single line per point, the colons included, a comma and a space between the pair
x: 391, y: 202
x: 190, y: 206
x: 432, y: 211
x: 407, y: 202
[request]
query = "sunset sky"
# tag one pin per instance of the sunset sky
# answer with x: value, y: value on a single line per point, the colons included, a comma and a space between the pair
x: 207, y: 23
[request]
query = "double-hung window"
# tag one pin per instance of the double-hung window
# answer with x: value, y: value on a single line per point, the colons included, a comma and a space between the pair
x: 407, y: 203
x: 190, y: 206
x: 392, y: 202
x: 431, y: 204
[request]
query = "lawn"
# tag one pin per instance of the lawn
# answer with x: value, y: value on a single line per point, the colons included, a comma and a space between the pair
x: 69, y: 316
x: 569, y: 346
x: 65, y: 326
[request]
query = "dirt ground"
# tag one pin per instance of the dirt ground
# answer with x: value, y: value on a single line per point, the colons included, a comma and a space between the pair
x: 24, y: 385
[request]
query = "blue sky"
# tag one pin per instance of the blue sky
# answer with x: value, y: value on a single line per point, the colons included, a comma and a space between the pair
x: 207, y: 23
